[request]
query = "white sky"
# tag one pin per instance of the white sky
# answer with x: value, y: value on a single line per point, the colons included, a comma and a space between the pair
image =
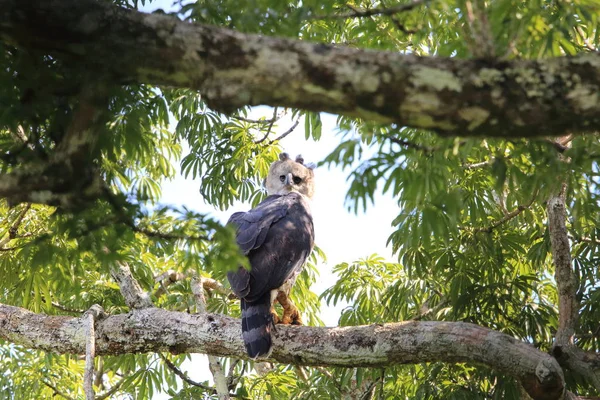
x: 342, y: 235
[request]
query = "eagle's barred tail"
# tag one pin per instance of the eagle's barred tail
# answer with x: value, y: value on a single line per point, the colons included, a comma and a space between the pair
x: 256, y: 326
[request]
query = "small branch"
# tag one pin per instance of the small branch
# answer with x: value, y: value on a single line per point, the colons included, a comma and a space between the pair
x: 584, y: 239
x: 166, y: 279
x: 564, y: 348
x: 507, y: 217
x: 284, y: 134
x: 361, y: 13
x: 479, y: 164
x: 213, y: 362
x: 254, y: 121
x: 564, y: 276
x: 162, y: 235
x: 186, y: 379
x: 273, y: 119
x: 183, y: 376
x: 112, y: 390
x: 66, y: 309
x: 56, y: 391
x: 169, y: 277
x: 90, y: 316
x: 482, y: 45
x: 14, y: 228
x: 232, y: 378
x: 134, y: 296
x: 411, y: 145
x: 585, y: 40
x: 425, y: 310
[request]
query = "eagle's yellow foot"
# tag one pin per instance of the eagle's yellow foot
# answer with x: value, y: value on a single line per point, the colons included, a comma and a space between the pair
x: 290, y: 316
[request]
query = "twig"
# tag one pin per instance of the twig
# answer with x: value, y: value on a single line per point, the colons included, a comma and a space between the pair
x: 183, y: 376
x: 273, y: 119
x: 161, y: 235
x: 360, y: 13
x: 507, y: 217
x: 112, y: 390
x: 284, y: 134
x: 186, y: 379
x: 66, y: 309
x: 14, y: 228
x: 254, y: 121
x: 584, y: 239
x: 232, y: 379
x: 411, y: 145
x: 57, y: 392
x: 585, y: 40
x: 479, y: 164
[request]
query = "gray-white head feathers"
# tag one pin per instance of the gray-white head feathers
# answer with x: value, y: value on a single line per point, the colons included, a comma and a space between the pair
x: 287, y: 175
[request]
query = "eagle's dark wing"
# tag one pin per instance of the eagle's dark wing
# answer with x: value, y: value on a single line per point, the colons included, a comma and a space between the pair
x: 252, y: 229
x: 277, y: 236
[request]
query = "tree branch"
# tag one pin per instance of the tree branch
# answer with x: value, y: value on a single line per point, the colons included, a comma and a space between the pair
x: 369, y: 12
x: 231, y: 69
x: 183, y: 376
x: 169, y: 277
x: 507, y: 217
x: 411, y: 145
x: 56, y: 391
x: 564, y: 349
x: 69, y: 177
x: 213, y: 362
x: 158, y: 330
x: 284, y: 134
x: 135, y: 297
x: 273, y: 119
x: 91, y: 316
x: 14, y: 228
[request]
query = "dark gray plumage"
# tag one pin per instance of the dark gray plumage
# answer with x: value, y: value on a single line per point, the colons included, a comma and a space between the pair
x: 277, y: 236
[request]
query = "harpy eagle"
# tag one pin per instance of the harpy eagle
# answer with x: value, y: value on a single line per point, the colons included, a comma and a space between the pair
x: 277, y: 236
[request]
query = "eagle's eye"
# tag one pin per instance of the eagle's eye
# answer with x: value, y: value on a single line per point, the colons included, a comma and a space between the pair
x: 282, y: 178
x: 297, y: 180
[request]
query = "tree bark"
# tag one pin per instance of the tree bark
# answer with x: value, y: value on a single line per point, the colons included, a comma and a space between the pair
x: 231, y: 69
x: 564, y: 349
x: 158, y: 330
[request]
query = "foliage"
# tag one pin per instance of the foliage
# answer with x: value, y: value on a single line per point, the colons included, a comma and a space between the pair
x: 461, y: 253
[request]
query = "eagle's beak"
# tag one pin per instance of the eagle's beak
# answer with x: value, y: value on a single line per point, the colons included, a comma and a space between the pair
x: 289, y: 180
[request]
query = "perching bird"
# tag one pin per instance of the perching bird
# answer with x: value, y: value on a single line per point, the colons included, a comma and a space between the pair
x: 277, y: 236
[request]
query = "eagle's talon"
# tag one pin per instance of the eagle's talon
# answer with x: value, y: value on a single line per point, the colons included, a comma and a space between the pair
x: 294, y: 317
x: 274, y: 317
x: 297, y: 320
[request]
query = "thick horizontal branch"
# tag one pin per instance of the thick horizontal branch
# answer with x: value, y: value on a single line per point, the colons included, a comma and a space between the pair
x: 158, y: 330
x: 231, y: 69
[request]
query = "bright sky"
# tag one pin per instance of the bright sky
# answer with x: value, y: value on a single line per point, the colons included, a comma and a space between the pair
x: 342, y: 235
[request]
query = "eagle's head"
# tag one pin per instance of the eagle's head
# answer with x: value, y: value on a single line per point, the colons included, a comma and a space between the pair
x: 287, y: 175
